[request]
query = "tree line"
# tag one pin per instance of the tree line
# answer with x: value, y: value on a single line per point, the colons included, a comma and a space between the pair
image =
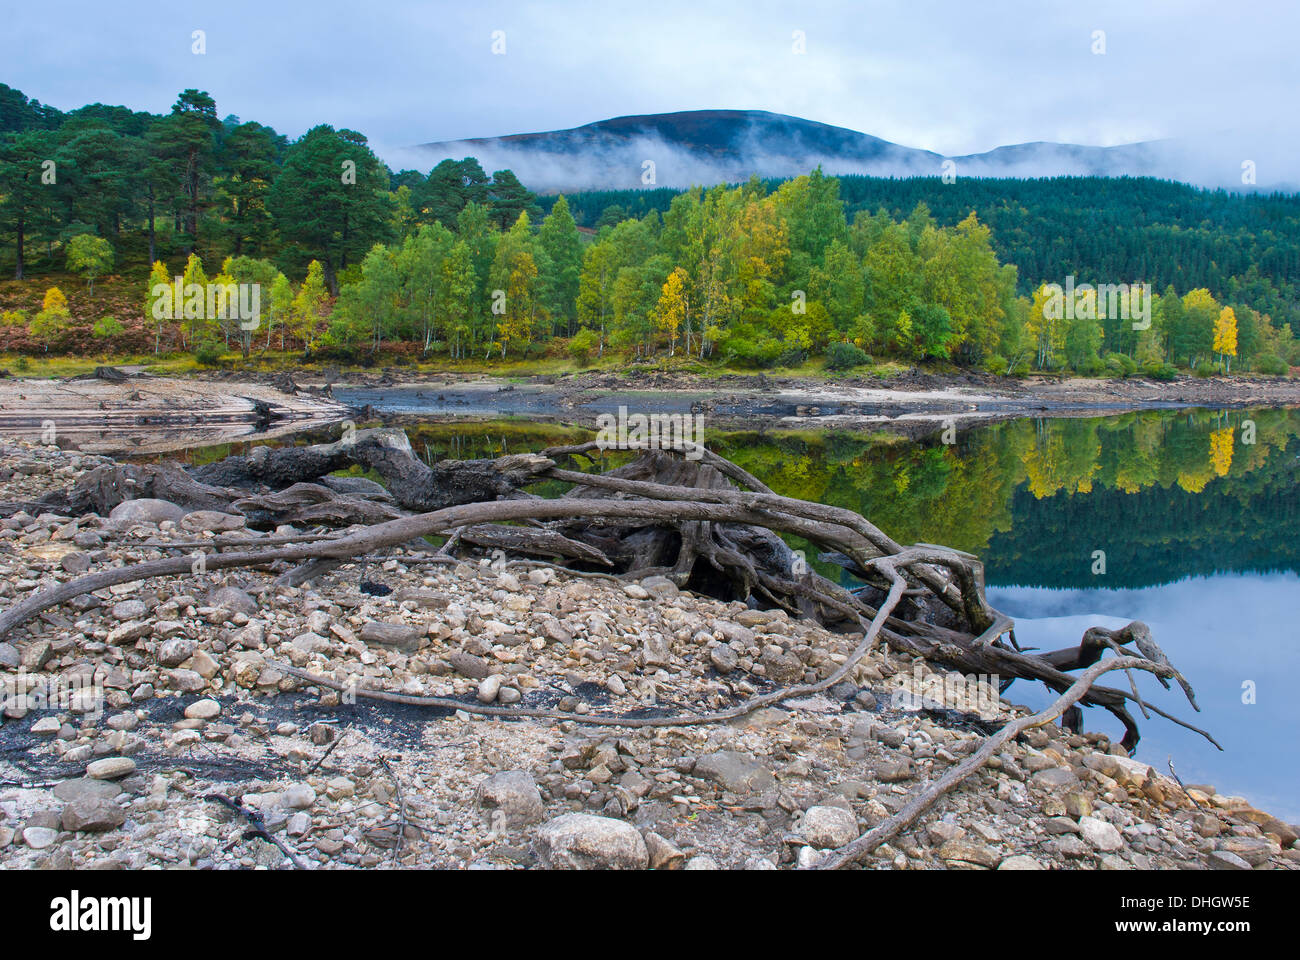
x: 353, y: 258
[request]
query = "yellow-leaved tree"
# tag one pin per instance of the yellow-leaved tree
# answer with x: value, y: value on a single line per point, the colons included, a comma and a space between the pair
x: 48, y: 325
x: 1225, y: 336
x: 672, y: 312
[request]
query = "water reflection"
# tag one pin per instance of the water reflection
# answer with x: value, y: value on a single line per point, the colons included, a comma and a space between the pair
x: 1235, y: 636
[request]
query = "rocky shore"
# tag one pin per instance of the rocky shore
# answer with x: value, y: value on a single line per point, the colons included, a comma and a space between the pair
x: 150, y: 725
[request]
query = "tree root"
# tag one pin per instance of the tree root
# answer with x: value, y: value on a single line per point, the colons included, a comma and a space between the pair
x: 707, y: 524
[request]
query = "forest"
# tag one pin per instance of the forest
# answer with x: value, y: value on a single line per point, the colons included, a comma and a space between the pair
x: 354, y: 261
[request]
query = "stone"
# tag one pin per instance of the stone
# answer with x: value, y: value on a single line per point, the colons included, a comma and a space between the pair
x: 661, y: 588
x: 1254, y: 850
x: 828, y: 827
x: 176, y: 651
x: 75, y: 562
x: 941, y: 831
x: 145, y: 510
x: 92, y: 815
x: 1285, y: 833
x: 1020, y: 862
x: 636, y: 591
x: 1054, y: 778
x: 298, y: 824
x: 581, y: 841
x: 129, y: 610
x: 46, y: 727
x: 232, y: 599
x: 205, y: 709
x: 664, y: 855
x: 488, y: 688
x: 38, y: 838
x: 723, y: 658
x: 70, y: 790
x: 514, y: 793
x: 400, y: 636
x: 1077, y: 805
x: 10, y: 658
x: 186, y: 681
x: 736, y: 772
x: 1100, y: 834
x: 110, y: 768
x: 1226, y: 860
x: 299, y: 796
x: 476, y: 668
x: 701, y: 862
x: 311, y: 643
x: 967, y: 851
x: 197, y: 521
x: 895, y: 771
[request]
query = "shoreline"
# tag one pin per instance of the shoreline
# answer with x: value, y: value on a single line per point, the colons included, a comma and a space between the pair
x: 148, y: 415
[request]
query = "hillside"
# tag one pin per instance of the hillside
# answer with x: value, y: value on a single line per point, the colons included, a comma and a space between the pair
x: 711, y: 146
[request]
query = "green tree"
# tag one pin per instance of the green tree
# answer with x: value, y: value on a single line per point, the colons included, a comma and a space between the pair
x: 332, y: 198
x: 90, y: 256
x: 562, y: 244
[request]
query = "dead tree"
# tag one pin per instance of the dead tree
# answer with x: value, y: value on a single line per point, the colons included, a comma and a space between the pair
x: 691, y: 516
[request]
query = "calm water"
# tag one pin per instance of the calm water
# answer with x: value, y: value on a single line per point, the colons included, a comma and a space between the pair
x: 1196, y: 515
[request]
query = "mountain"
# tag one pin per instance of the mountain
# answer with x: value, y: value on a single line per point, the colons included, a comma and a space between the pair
x: 712, y: 146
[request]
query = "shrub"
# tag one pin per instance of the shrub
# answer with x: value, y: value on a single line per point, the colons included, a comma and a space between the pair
x: 1205, y: 369
x: 996, y: 364
x: 209, y: 353
x: 1021, y: 369
x: 13, y: 318
x: 792, y: 358
x: 584, y: 345
x: 845, y: 356
x: 1271, y: 365
x: 106, y: 327
x: 1159, y: 370
x: 1092, y: 367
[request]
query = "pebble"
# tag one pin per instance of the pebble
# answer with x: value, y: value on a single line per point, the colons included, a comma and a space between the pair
x: 488, y: 688
x: 828, y: 827
x: 205, y: 709
x: 110, y: 768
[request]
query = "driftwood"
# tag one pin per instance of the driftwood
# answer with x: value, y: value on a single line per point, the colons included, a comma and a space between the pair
x: 704, y: 523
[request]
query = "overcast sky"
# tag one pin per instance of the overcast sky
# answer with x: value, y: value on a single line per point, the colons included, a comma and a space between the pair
x: 953, y: 77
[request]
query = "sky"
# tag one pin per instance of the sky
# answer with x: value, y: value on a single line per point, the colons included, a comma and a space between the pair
x: 952, y: 77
